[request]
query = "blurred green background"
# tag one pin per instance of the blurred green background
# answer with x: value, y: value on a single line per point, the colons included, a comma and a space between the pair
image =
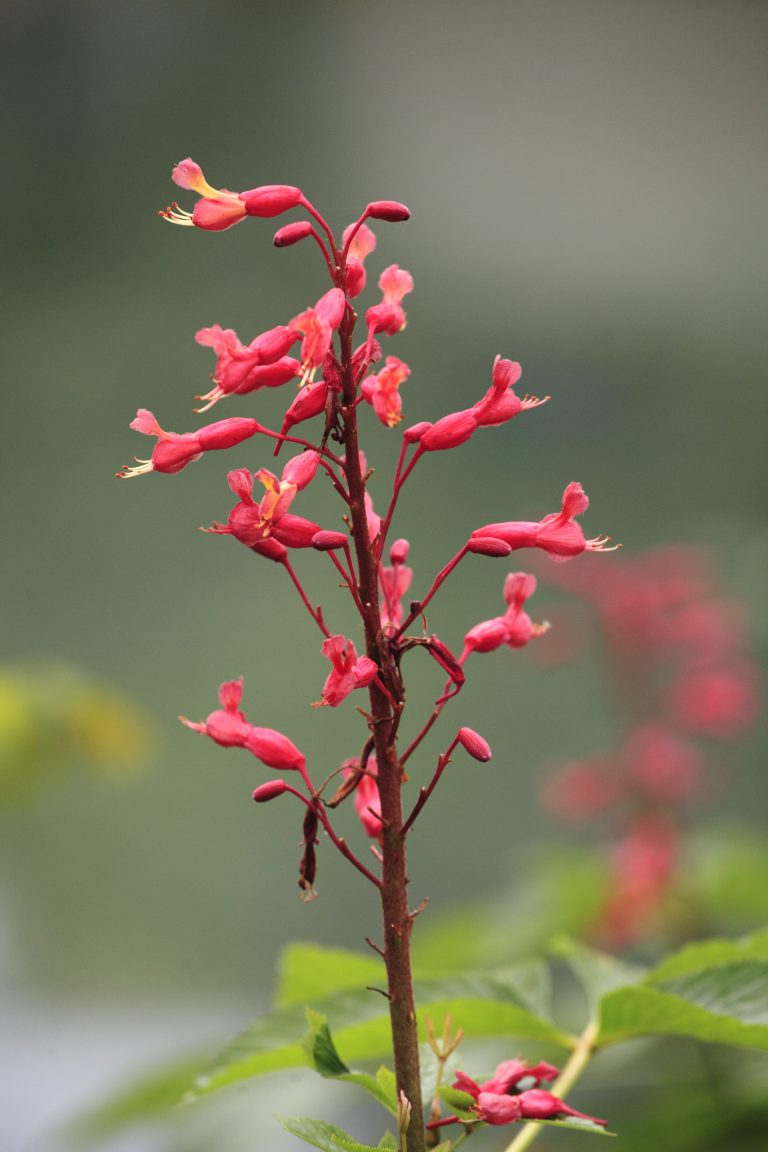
x: 588, y: 187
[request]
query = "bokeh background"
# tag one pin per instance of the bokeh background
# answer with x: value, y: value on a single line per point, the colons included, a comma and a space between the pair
x: 588, y: 188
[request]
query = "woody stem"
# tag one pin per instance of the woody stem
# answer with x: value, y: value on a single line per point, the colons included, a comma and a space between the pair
x: 385, y: 708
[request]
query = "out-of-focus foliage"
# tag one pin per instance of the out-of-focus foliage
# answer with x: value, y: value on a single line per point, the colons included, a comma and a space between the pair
x: 56, y: 721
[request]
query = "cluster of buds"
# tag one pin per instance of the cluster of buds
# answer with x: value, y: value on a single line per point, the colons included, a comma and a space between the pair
x: 512, y: 1094
x: 677, y: 656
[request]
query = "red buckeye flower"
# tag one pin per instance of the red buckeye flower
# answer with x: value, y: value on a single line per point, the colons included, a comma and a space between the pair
x: 174, y: 450
x: 229, y: 728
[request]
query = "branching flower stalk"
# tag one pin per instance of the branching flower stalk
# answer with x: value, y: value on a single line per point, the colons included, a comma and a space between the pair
x: 335, y: 382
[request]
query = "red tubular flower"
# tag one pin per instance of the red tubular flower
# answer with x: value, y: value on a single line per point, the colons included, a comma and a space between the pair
x: 217, y: 209
x: 349, y: 671
x: 229, y: 728
x: 389, y: 315
x: 510, y: 1076
x: 309, y: 402
x: 242, y: 368
x: 448, y: 432
x: 271, y: 199
x: 174, y: 450
x: 515, y: 628
x: 557, y: 534
x: 363, y: 243
x: 395, y: 582
x: 265, y: 525
x: 382, y: 391
x: 500, y: 402
x: 366, y: 795
x: 535, y: 1104
x: 317, y: 326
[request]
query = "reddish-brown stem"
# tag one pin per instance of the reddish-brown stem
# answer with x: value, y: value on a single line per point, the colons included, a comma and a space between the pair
x: 441, y: 577
x: 335, y: 481
x: 396, y: 489
x: 384, y: 716
x: 283, y: 437
x: 315, y: 613
x: 336, y: 840
x: 424, y: 793
x: 348, y: 580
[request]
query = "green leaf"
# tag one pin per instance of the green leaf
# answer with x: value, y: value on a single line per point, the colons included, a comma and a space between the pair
x: 388, y: 1141
x: 711, y: 954
x: 460, y: 1103
x: 322, y: 1135
x: 359, y: 1019
x: 321, y: 1055
x: 597, y: 972
x: 309, y: 972
x: 725, y: 1004
x: 320, y: 1049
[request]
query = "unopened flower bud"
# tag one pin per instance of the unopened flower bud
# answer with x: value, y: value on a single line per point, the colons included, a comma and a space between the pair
x: 269, y: 791
x: 292, y: 233
x: 270, y: 199
x: 390, y: 210
x: 416, y: 431
x: 488, y: 546
x: 474, y: 743
x: 398, y: 553
x: 327, y: 541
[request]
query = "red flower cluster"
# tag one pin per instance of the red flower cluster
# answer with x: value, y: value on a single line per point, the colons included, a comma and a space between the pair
x: 677, y: 654
x: 269, y: 527
x: 513, y: 1094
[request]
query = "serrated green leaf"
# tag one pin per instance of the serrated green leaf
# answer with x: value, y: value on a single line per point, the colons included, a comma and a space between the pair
x: 319, y: 1047
x: 710, y: 954
x: 597, y: 972
x: 726, y: 1004
x: 359, y: 1021
x: 310, y: 972
x: 388, y: 1141
x: 322, y: 1055
x: 323, y: 1135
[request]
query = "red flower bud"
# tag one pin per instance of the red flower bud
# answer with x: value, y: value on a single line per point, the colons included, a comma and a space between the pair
x: 389, y: 210
x: 474, y: 743
x: 488, y: 546
x: 416, y: 431
x: 398, y: 553
x: 292, y: 233
x: 327, y: 541
x: 269, y: 791
x: 270, y: 199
